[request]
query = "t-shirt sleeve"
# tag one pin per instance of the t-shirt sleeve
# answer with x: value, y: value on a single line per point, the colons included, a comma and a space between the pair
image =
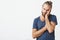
x: 54, y: 19
x: 35, y: 23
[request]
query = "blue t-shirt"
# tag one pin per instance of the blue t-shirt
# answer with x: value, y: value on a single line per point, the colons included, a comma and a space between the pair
x: 38, y: 24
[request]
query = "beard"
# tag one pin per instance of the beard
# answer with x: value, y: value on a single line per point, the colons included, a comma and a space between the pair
x: 43, y: 14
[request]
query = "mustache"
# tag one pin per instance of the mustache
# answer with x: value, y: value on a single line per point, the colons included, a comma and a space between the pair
x: 43, y: 14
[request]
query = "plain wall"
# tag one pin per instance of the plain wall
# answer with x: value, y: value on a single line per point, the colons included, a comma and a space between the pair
x: 16, y: 18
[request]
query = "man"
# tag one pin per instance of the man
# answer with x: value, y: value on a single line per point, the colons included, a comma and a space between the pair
x: 44, y: 25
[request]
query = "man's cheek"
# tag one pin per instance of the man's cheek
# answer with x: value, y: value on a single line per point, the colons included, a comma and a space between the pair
x: 44, y: 14
x: 48, y: 13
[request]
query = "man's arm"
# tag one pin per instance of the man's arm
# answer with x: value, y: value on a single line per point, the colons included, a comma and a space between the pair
x: 36, y: 33
x: 50, y: 25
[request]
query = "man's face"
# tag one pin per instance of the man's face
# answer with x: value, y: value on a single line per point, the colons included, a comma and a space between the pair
x: 45, y: 9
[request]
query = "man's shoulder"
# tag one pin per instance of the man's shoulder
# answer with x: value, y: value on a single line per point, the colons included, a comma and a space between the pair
x: 52, y: 15
x: 36, y: 18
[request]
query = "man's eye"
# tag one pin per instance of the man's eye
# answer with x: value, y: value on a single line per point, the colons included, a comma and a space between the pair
x: 44, y: 8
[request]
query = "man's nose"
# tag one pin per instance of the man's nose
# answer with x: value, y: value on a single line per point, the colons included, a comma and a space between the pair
x: 45, y: 11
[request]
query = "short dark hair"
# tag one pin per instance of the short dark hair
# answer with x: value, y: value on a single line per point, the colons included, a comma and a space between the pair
x: 48, y: 3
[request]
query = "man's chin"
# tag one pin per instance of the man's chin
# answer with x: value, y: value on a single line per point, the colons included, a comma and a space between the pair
x: 43, y: 15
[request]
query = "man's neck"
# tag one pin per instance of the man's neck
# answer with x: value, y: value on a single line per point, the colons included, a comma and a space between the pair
x: 42, y: 18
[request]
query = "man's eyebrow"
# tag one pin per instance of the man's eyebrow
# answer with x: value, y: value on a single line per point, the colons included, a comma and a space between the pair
x: 48, y: 10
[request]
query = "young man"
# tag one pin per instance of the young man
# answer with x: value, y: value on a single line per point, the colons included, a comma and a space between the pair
x: 44, y: 25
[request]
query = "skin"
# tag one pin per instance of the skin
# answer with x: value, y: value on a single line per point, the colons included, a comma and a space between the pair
x: 50, y: 25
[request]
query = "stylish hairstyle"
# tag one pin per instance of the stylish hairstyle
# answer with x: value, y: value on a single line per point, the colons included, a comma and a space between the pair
x: 48, y: 3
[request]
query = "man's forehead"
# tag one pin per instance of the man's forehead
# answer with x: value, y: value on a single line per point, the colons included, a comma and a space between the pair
x: 46, y: 6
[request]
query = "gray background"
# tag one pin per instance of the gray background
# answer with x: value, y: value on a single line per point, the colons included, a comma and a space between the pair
x: 16, y: 18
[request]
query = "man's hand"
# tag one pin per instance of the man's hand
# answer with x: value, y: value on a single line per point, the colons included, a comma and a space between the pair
x: 47, y: 14
x: 49, y: 24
